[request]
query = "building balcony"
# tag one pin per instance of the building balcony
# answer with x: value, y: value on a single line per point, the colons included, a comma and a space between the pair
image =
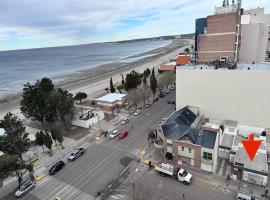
x: 158, y: 144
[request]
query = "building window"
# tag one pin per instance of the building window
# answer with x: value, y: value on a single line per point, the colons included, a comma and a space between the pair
x: 189, y: 150
x: 183, y: 148
x: 207, y: 156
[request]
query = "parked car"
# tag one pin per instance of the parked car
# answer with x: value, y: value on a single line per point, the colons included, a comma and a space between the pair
x: 140, y: 107
x: 147, y: 105
x: 114, y: 134
x: 76, y: 154
x: 137, y: 112
x: 172, y: 88
x: 168, y: 91
x: 123, y: 134
x: 25, y: 187
x: 56, y: 167
x: 163, y: 120
x: 124, y: 121
x: 161, y: 95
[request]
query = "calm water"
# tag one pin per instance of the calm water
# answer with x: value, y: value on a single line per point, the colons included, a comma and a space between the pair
x: 21, y: 66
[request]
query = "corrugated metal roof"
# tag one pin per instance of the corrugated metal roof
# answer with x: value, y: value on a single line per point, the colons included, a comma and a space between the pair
x: 112, y: 97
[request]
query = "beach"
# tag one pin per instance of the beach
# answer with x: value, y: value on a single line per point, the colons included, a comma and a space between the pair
x: 93, y: 81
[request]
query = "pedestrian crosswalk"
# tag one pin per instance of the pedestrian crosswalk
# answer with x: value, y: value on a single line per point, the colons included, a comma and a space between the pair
x: 208, y: 185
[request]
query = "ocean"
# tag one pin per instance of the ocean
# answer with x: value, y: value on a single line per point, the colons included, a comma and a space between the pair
x: 21, y: 66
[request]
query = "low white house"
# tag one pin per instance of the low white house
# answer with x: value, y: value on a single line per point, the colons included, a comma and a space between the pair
x: 110, y: 101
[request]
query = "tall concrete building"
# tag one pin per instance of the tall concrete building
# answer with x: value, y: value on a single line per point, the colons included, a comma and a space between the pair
x: 220, y: 38
x: 255, y: 36
x: 233, y: 35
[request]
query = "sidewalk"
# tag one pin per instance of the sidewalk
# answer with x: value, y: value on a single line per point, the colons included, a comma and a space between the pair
x: 112, y: 124
x: 44, y: 161
x: 155, y: 156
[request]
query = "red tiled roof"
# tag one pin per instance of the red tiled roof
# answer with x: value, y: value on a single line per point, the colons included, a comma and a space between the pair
x: 182, y: 59
x: 167, y: 67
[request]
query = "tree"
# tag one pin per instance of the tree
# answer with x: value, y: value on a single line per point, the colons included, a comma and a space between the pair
x: 144, y: 80
x: 133, y: 98
x: 80, y: 96
x: 33, y: 103
x: 40, y: 139
x: 54, y: 137
x: 14, y: 143
x: 133, y: 80
x: 112, y: 89
x: 8, y: 165
x: 42, y: 102
x: 166, y: 79
x: 123, y: 81
x: 153, y: 82
x: 48, y: 141
x: 59, y: 137
x: 187, y: 50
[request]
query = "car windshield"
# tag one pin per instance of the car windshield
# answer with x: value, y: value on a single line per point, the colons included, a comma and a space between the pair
x: 73, y: 154
x: 184, y: 173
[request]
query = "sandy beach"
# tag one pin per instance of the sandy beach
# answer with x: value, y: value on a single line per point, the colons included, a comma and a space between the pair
x: 95, y: 80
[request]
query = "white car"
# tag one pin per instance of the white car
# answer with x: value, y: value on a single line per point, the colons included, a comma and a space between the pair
x: 124, y: 121
x: 137, y: 112
x: 25, y: 187
x: 114, y: 134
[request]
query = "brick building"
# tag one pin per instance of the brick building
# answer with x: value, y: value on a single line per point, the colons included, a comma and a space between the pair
x: 220, y: 39
x: 188, y: 141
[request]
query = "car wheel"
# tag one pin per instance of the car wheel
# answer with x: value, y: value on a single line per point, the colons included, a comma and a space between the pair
x: 186, y: 183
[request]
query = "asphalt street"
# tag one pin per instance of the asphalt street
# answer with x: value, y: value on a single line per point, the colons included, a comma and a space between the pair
x: 103, y: 161
x: 152, y: 186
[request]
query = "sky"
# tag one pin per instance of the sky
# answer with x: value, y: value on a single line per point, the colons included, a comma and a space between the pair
x: 44, y: 23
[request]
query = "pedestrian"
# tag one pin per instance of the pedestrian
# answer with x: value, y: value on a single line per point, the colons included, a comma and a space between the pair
x: 105, y: 134
x: 184, y: 196
x: 228, y: 178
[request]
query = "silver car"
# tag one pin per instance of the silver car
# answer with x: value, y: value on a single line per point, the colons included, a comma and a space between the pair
x: 125, y: 121
x: 25, y: 187
x: 114, y: 134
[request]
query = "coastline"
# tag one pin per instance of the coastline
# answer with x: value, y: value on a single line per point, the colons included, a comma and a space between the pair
x: 93, y: 81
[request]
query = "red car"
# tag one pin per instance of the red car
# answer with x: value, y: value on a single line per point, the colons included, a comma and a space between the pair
x: 123, y: 134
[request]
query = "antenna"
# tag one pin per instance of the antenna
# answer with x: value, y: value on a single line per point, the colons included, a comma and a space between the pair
x: 239, y: 4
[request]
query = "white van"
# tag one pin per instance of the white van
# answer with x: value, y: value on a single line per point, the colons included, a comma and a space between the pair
x: 242, y: 196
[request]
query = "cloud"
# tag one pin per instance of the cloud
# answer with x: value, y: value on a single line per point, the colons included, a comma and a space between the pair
x: 34, y: 23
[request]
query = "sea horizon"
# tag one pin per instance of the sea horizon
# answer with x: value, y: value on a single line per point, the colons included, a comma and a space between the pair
x: 18, y: 67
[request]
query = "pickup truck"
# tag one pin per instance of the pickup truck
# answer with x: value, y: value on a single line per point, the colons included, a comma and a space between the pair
x: 76, y: 154
x: 180, y: 174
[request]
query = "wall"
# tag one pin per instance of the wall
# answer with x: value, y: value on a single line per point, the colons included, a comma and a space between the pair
x: 250, y: 43
x: 220, y: 38
x: 208, y: 165
x: 255, y: 178
x: 240, y: 95
x: 90, y: 122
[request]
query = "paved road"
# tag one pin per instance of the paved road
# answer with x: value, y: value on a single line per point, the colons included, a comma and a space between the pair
x: 103, y: 161
x: 152, y: 186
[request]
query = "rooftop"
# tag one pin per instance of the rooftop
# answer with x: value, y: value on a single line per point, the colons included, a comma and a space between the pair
x: 166, y: 67
x: 260, y: 159
x: 111, y: 97
x: 227, y: 141
x: 178, y: 127
x: 256, y: 66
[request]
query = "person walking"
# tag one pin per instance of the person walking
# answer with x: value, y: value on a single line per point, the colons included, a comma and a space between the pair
x: 184, y: 196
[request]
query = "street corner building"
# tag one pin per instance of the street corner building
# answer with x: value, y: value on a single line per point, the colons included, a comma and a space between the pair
x: 233, y: 35
x: 188, y: 140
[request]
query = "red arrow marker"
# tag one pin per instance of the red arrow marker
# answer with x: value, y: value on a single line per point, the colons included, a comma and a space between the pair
x: 251, y: 146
